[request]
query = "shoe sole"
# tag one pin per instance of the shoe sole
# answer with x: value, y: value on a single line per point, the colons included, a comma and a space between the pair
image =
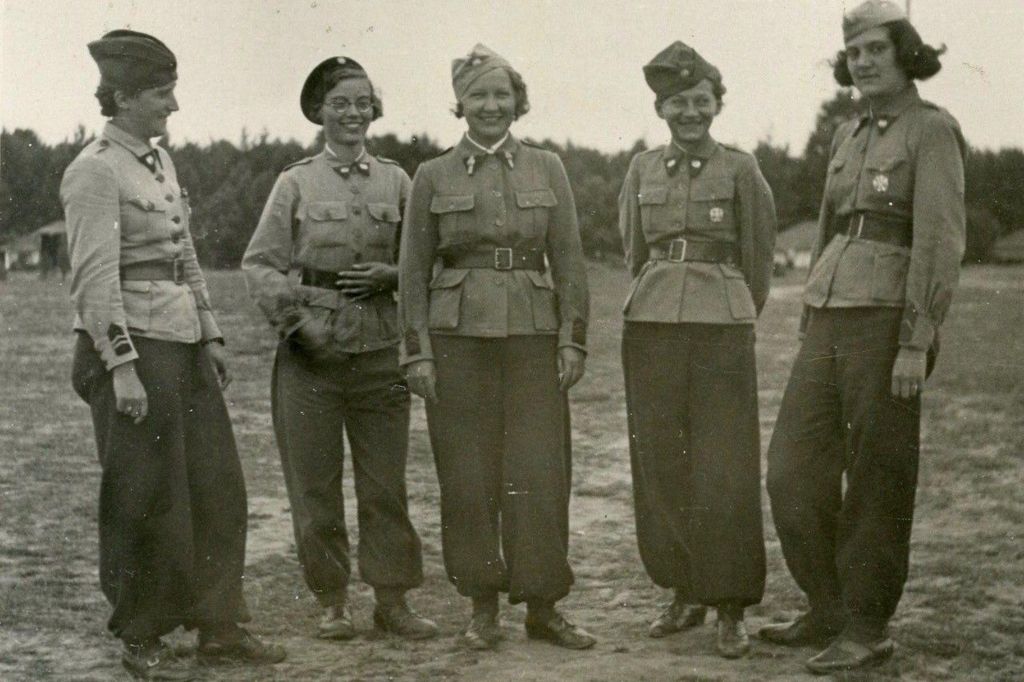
x: 336, y: 636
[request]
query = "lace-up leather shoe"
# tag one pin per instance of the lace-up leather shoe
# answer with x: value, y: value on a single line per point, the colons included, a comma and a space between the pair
x: 847, y: 654
x: 336, y: 623
x: 399, y: 619
x: 238, y: 644
x: 677, y: 617
x: 557, y: 630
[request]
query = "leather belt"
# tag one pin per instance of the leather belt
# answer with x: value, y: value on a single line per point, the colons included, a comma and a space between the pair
x: 878, y: 228
x: 155, y: 271
x: 680, y: 250
x: 501, y: 258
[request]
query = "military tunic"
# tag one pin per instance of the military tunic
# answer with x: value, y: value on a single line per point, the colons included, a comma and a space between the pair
x: 698, y: 231
x: 891, y: 235
x: 499, y: 429
x: 322, y: 217
x: 172, y: 497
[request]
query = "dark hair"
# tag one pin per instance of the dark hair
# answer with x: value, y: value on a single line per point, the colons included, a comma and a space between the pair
x: 518, y: 89
x: 334, y: 77
x: 916, y: 59
x: 105, y: 95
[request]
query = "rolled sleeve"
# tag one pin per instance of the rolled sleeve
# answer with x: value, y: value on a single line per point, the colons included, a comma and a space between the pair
x: 939, y: 225
x: 757, y: 230
x: 90, y: 195
x: 417, y: 252
x: 568, y: 268
x: 267, y: 260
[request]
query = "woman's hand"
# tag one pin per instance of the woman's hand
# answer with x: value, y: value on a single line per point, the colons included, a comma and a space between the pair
x: 571, y: 363
x: 129, y: 394
x: 216, y: 352
x: 908, y: 372
x: 422, y: 379
x: 367, y: 279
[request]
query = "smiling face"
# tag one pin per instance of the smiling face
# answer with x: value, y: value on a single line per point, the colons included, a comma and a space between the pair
x: 689, y: 113
x: 145, y: 113
x: 489, y: 106
x: 347, y: 112
x: 871, y: 59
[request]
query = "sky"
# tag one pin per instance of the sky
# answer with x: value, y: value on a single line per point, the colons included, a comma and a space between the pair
x: 241, y: 64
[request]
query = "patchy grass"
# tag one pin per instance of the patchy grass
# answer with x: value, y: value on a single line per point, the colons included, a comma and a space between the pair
x: 962, y: 616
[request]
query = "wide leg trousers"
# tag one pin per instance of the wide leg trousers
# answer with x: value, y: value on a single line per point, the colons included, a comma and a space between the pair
x: 691, y: 398
x: 315, y: 402
x: 499, y: 431
x: 172, y: 516
x: 848, y: 551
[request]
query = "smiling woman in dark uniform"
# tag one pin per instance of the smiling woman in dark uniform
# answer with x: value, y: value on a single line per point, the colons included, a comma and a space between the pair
x: 698, y: 227
x: 150, y: 364
x: 891, y: 235
x: 494, y: 339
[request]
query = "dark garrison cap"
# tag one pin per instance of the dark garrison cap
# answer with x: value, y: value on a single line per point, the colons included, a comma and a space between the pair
x: 678, y: 67
x: 325, y: 76
x: 134, y: 61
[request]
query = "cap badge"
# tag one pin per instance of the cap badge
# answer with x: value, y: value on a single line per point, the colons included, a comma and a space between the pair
x: 476, y: 61
x: 717, y: 214
x: 342, y: 60
x: 881, y: 182
x: 685, y: 72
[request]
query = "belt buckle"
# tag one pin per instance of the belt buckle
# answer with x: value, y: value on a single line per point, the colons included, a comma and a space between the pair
x: 677, y: 251
x: 503, y: 258
x: 179, y: 270
x: 859, y: 229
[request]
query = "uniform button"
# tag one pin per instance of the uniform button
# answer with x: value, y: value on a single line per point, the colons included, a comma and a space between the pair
x: 170, y: 198
x: 159, y: 177
x: 150, y: 206
x: 357, y: 211
x: 176, y: 219
x: 354, y: 190
x: 176, y: 237
x: 499, y: 222
x: 497, y: 193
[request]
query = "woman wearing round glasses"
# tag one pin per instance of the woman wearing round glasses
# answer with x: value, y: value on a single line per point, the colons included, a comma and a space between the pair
x: 493, y: 339
x: 333, y: 220
x: 890, y: 238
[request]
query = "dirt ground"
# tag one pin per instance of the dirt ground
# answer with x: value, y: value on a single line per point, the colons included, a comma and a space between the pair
x: 962, y: 615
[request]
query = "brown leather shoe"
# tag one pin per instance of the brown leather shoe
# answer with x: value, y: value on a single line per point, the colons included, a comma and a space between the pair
x: 399, y: 619
x: 847, y: 654
x: 677, y: 617
x: 557, y: 630
x: 238, y: 644
x: 802, y: 631
x: 733, y: 641
x: 483, y: 632
x: 153, y: 661
x: 336, y: 623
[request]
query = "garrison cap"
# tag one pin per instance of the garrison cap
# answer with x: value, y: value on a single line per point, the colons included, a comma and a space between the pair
x: 479, y: 61
x: 133, y: 60
x: 870, y: 14
x: 679, y: 67
x: 325, y: 76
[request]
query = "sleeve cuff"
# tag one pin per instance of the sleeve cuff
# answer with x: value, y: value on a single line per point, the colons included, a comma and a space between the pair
x: 208, y: 326
x: 573, y: 334
x: 916, y: 331
x: 116, y: 348
x: 414, y: 346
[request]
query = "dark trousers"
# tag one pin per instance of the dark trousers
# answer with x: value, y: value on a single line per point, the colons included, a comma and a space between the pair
x: 691, y: 398
x: 848, y: 552
x: 499, y: 431
x: 172, y: 515
x: 314, y: 402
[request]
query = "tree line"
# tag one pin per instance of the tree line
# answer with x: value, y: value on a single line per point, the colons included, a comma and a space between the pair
x: 228, y: 183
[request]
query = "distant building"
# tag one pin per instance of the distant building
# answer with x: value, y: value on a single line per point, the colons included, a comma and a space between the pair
x: 45, y: 250
x: 1009, y: 248
x: 793, y: 245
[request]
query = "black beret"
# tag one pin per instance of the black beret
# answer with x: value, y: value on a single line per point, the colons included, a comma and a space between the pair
x: 133, y: 60
x: 678, y: 67
x: 321, y: 79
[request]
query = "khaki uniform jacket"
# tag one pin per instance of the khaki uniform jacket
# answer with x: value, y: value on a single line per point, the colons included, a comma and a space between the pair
x: 318, y: 218
x: 468, y: 201
x: 119, y: 212
x: 715, y: 194
x: 904, y: 162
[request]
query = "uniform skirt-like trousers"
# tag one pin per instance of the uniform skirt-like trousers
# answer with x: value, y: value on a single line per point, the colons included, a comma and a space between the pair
x: 499, y: 431
x: 172, y: 516
x: 315, y: 403
x: 848, y: 551
x: 691, y: 398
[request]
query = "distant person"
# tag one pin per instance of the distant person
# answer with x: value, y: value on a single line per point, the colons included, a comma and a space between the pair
x: 493, y: 307
x: 149, y: 361
x: 698, y: 229
x: 890, y: 238
x: 335, y: 219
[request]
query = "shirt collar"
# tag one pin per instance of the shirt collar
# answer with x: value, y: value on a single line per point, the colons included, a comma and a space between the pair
x: 884, y: 114
x: 133, y: 144
x: 504, y: 151
x: 493, y: 148
x: 675, y: 156
x: 332, y: 157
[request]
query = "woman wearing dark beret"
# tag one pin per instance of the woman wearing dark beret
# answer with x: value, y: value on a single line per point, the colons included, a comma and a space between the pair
x: 493, y: 307
x: 698, y: 228
x: 149, y: 362
x: 333, y: 220
x: 890, y: 239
